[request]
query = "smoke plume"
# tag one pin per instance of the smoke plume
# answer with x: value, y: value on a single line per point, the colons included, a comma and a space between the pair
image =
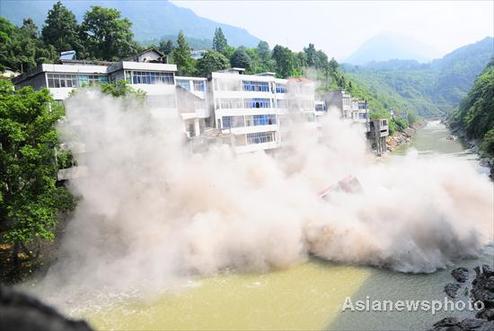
x: 151, y: 210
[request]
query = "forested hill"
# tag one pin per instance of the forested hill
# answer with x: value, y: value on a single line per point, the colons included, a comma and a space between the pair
x: 431, y: 89
x: 475, y: 116
x: 152, y: 19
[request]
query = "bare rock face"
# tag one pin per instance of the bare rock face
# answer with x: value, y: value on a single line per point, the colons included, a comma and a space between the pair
x: 460, y: 274
x: 482, y: 290
x: 451, y: 289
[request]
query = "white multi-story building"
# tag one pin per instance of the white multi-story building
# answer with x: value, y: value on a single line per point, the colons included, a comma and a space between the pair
x: 193, y: 104
x: 248, y: 107
x: 245, y: 108
x: 143, y: 71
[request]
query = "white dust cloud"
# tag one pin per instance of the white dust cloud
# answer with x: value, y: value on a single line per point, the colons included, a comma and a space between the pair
x: 151, y: 210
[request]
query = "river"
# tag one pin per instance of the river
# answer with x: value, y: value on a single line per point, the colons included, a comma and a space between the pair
x: 305, y: 297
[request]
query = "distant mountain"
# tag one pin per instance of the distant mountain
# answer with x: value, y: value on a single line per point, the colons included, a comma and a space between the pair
x: 151, y: 19
x: 388, y: 46
x: 431, y: 89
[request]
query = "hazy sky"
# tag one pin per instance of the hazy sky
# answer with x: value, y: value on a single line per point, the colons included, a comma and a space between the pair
x: 340, y: 27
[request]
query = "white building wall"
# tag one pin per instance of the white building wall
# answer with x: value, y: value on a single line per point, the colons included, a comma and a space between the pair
x: 246, y: 106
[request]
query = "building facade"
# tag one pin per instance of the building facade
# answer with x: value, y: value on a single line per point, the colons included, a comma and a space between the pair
x: 244, y: 109
x: 248, y: 107
x: 349, y: 107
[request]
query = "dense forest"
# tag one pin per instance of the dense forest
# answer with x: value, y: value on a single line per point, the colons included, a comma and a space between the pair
x: 432, y: 89
x: 475, y: 116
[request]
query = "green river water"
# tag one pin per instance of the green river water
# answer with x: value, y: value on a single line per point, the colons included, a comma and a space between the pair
x: 305, y: 297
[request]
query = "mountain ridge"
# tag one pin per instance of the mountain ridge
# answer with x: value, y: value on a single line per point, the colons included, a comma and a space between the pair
x: 151, y: 20
x: 389, y: 46
x: 432, y: 89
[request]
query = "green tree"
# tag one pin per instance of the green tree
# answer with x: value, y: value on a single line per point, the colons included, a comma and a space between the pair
x: 321, y: 60
x: 284, y: 60
x: 30, y: 200
x: 211, y: 61
x: 240, y: 59
x: 333, y: 65
x: 61, y: 30
x: 107, y: 36
x: 310, y: 55
x: 182, y: 57
x: 220, y: 43
x: 166, y: 47
x: 263, y: 51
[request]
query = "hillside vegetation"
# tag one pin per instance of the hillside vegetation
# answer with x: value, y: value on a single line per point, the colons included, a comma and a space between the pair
x: 475, y: 116
x: 152, y: 19
x: 433, y: 89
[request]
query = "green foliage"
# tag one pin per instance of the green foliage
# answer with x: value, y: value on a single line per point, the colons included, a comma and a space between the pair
x: 30, y: 198
x: 240, y: 59
x: 220, y: 43
x: 211, y: 61
x: 476, y: 112
x: 121, y: 89
x: 20, y: 48
x: 310, y: 55
x: 182, y: 57
x: 106, y: 35
x: 432, y: 89
x: 61, y: 30
x: 284, y: 61
x: 166, y: 47
x: 487, y: 145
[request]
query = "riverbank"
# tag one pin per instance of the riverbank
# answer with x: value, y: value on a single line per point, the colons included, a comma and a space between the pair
x: 474, y: 146
x: 403, y: 137
x: 481, y: 296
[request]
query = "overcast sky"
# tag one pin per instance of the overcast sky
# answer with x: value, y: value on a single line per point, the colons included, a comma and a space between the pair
x: 340, y: 27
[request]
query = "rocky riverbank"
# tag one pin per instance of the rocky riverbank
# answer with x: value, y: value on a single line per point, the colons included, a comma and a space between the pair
x: 402, y: 137
x: 473, y: 145
x: 481, y: 291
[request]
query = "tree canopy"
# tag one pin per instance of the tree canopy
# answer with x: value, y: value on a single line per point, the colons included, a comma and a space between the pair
x: 182, y: 56
x: 61, y: 30
x: 240, y: 59
x: 220, y: 43
x: 30, y: 200
x: 106, y: 35
x: 211, y: 61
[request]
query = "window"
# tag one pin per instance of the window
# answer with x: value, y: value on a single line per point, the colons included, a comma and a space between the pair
x: 199, y: 85
x: 260, y: 137
x: 362, y: 116
x: 280, y: 88
x: 257, y: 103
x: 62, y: 80
x: 264, y: 119
x: 229, y: 103
x: 73, y: 80
x: 255, y: 86
x: 151, y: 77
x: 184, y: 84
x: 233, y: 122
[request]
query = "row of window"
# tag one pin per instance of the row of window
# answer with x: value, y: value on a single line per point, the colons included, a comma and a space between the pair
x: 198, y: 85
x: 280, y: 88
x: 260, y: 137
x: 74, y: 80
x: 149, y: 77
x: 246, y: 103
x: 255, y: 86
x: 241, y: 121
x: 257, y: 103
